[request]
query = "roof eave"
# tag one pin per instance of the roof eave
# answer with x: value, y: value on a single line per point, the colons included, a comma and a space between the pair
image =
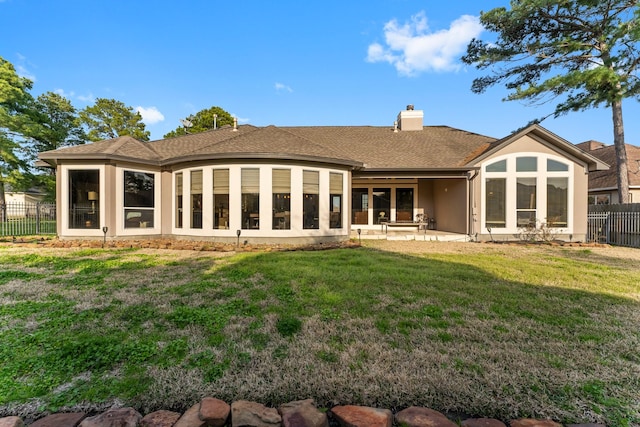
x: 264, y: 156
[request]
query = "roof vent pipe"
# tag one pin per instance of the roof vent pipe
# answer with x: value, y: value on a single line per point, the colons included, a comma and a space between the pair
x: 235, y: 124
x: 395, y: 126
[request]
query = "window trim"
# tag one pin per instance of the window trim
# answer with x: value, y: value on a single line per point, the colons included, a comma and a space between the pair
x: 120, y: 213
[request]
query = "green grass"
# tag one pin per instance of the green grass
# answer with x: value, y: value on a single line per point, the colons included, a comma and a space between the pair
x: 488, y: 330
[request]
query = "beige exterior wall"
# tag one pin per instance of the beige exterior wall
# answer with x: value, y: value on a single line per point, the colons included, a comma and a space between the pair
x: 450, y: 205
x: 577, y: 198
x: 112, y: 210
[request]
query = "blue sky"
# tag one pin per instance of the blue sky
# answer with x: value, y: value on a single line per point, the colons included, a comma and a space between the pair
x: 286, y: 63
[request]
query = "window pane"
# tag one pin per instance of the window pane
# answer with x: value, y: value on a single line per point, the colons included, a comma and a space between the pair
x: 179, y: 200
x: 335, y: 215
x: 526, y: 164
x: 526, y: 193
x: 360, y: 205
x: 250, y: 198
x: 221, y: 199
x: 496, y: 213
x: 335, y: 200
x: 557, y: 202
x: 404, y: 204
x: 138, y: 218
x: 500, y: 166
x: 221, y: 181
x: 310, y: 182
x: 281, y: 182
x: 381, y: 204
x: 251, y: 181
x: 221, y: 214
x: 138, y: 189
x: 555, y: 166
x: 196, y: 199
x: 84, y: 199
x: 250, y: 211
x: 526, y: 219
x: 311, y: 198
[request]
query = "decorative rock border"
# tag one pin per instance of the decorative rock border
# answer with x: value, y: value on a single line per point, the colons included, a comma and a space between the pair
x: 212, y: 412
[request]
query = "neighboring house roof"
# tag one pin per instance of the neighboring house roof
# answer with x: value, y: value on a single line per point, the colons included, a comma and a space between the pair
x: 602, y: 180
x: 368, y: 148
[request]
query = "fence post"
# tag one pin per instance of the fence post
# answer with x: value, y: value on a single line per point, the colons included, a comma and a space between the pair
x: 37, y: 217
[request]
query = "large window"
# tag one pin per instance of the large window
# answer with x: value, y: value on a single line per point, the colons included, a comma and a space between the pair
x: 221, y: 199
x: 250, y: 198
x: 281, y: 190
x: 196, y: 199
x: 179, y: 200
x: 311, y: 199
x: 84, y: 199
x: 404, y: 204
x: 335, y: 200
x: 139, y: 199
x: 557, y: 202
x: 360, y: 205
x: 496, y: 196
x: 526, y: 202
x: 381, y: 205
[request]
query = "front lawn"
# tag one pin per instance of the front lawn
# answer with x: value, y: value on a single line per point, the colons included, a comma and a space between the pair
x: 504, y: 331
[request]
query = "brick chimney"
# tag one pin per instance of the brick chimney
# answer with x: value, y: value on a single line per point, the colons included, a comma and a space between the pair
x: 410, y: 119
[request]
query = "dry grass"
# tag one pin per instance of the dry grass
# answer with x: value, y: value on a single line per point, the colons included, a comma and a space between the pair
x: 505, y: 331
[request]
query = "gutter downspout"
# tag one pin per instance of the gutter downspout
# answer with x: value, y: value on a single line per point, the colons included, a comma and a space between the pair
x: 471, y: 203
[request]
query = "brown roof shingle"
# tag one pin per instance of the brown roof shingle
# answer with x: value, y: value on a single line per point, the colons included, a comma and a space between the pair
x: 435, y: 147
x: 607, y: 153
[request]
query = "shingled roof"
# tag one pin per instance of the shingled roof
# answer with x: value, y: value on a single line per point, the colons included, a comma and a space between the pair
x: 607, y: 179
x: 368, y: 147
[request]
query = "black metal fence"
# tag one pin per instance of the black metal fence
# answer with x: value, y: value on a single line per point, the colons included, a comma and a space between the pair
x: 27, y: 219
x: 614, y: 224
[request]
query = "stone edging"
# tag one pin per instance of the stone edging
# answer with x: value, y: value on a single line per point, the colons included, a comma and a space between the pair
x: 212, y: 412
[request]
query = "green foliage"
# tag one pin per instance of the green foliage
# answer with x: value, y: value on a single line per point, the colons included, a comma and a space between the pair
x: 108, y: 119
x: 288, y: 326
x: 16, y: 119
x: 585, y: 51
x: 203, y: 121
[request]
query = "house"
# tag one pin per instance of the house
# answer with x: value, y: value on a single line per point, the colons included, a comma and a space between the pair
x: 603, y: 185
x: 317, y: 183
x: 32, y: 195
x: 23, y: 204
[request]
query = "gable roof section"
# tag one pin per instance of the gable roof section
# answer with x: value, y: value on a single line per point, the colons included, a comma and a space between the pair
x: 123, y: 147
x: 608, y: 179
x: 544, y: 136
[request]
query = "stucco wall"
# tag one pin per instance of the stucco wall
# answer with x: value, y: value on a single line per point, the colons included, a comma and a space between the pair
x: 450, y: 205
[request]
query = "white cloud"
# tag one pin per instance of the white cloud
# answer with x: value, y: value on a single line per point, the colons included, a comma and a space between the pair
x: 283, y: 88
x: 87, y: 98
x: 21, y: 67
x: 150, y: 115
x: 413, y: 48
x: 67, y: 95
